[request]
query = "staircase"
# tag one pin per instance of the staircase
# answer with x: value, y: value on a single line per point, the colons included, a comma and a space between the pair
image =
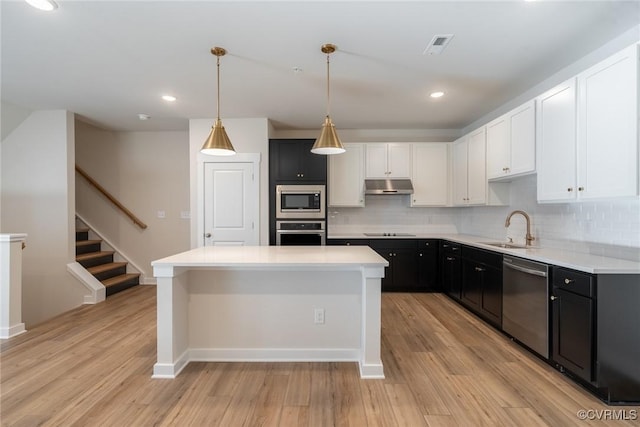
x: 101, y: 265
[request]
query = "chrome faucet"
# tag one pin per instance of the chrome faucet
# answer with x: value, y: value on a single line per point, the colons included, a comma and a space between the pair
x: 528, y: 237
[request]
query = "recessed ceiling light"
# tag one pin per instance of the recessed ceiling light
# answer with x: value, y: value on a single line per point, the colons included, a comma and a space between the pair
x: 47, y: 5
x: 169, y: 98
x: 142, y: 116
x: 437, y: 94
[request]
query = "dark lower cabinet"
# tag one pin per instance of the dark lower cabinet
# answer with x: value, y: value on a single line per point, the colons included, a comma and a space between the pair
x: 402, y: 273
x: 482, y: 283
x: 450, y: 269
x: 573, y: 312
x: 428, y: 266
x: 573, y: 333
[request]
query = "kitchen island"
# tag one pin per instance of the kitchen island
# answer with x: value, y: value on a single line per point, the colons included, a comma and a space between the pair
x: 269, y: 303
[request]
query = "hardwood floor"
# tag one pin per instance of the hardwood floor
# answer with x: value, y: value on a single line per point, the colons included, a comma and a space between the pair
x: 92, y: 367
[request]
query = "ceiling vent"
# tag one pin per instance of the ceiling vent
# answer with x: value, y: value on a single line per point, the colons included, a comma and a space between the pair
x: 437, y: 44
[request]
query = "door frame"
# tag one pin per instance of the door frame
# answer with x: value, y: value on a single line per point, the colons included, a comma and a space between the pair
x: 197, y: 214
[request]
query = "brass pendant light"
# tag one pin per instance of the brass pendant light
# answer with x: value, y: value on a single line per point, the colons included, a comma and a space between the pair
x: 218, y: 142
x: 328, y: 141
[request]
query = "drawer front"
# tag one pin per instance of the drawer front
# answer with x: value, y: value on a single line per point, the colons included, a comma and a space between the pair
x: 393, y: 243
x: 493, y: 259
x: 450, y: 247
x: 348, y: 242
x: 574, y: 281
x: 428, y: 244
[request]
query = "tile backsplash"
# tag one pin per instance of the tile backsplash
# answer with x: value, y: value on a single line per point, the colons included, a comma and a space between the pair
x: 608, y: 228
x: 392, y: 214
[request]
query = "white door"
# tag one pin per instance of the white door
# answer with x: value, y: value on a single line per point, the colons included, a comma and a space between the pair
x: 399, y: 160
x: 346, y: 177
x: 430, y: 174
x: 608, y: 127
x: 498, y: 148
x: 556, y: 143
x: 477, y: 168
x: 460, y: 161
x: 231, y: 200
x: 376, y: 160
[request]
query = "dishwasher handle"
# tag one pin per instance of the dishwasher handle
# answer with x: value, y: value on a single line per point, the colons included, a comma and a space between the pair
x: 525, y: 269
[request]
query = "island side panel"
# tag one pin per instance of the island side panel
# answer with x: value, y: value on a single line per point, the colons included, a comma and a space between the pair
x: 270, y: 315
x: 172, y: 322
x: 371, y: 362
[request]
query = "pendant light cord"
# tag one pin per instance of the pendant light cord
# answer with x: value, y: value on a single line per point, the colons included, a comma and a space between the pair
x: 218, y: 80
x: 328, y: 93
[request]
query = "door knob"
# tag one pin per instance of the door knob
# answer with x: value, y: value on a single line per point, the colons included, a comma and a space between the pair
x: 207, y: 235
x: 553, y: 298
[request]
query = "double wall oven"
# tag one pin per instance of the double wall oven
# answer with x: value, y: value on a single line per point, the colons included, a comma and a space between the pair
x: 300, y: 215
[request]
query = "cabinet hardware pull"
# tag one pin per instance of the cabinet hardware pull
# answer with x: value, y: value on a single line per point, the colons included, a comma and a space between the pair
x: 445, y: 246
x: 426, y: 244
x: 454, y: 249
x: 580, y: 188
x: 570, y: 189
x: 553, y: 297
x: 420, y: 254
x: 479, y: 269
x: 568, y: 281
x: 450, y: 258
x: 207, y: 235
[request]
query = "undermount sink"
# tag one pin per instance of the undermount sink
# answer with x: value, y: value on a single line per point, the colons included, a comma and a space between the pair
x: 504, y: 245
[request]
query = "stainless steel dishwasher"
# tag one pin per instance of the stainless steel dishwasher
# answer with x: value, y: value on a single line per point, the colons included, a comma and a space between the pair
x: 525, y: 303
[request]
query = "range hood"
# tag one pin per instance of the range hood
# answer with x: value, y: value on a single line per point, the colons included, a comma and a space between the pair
x: 388, y: 186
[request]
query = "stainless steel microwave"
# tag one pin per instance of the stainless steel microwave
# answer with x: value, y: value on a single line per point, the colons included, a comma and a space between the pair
x: 300, y: 201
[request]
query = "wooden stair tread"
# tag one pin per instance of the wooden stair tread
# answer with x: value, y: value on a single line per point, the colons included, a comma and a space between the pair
x: 82, y: 230
x: 119, y: 279
x: 87, y: 242
x: 91, y: 255
x: 105, y: 267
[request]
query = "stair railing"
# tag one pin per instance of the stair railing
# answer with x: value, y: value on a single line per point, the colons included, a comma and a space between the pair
x: 112, y: 199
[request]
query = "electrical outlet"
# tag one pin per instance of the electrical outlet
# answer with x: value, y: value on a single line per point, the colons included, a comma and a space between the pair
x: 318, y: 316
x: 161, y: 214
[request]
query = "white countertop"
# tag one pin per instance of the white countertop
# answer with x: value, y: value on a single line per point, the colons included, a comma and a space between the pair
x: 275, y: 257
x: 587, y: 263
x: 13, y: 237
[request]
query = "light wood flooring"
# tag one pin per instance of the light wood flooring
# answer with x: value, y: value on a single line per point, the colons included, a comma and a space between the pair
x: 92, y: 367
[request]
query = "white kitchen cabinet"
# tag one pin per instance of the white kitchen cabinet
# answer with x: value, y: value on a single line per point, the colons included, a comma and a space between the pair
x: 477, y: 168
x: 556, y: 130
x: 588, y: 133
x: 511, y: 143
x: 608, y: 127
x: 430, y: 174
x: 470, y: 186
x: 460, y: 173
x: 346, y: 177
x: 469, y: 169
x: 388, y: 160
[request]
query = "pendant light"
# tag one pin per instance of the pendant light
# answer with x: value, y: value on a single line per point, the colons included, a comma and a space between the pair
x: 218, y: 142
x: 328, y: 141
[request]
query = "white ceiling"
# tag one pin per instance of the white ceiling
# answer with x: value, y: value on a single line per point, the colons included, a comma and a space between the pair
x: 108, y: 61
